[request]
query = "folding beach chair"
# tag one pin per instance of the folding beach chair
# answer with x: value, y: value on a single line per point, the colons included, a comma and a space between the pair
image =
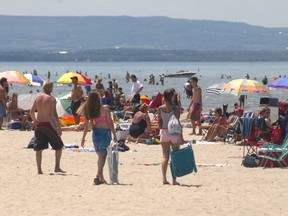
x: 272, y: 155
x: 248, y: 131
x: 182, y: 162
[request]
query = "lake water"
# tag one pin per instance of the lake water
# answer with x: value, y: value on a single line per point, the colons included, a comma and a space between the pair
x: 208, y: 73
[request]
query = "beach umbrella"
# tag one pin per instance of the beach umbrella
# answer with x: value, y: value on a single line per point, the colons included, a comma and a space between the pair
x: 25, y: 101
x: 245, y: 87
x: 281, y: 83
x: 63, y: 104
x: 145, y: 99
x: 66, y: 79
x: 34, y: 79
x: 215, y: 89
x: 15, y: 77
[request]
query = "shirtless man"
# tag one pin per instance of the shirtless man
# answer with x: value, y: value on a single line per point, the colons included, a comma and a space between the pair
x: 195, y: 106
x: 45, y: 105
x: 3, y: 108
x: 76, y: 96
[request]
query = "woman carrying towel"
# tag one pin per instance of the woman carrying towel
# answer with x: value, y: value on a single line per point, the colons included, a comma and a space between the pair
x: 164, y: 113
x: 99, y: 116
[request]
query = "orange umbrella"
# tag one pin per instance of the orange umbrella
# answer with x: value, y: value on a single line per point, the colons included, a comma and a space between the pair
x: 15, y: 77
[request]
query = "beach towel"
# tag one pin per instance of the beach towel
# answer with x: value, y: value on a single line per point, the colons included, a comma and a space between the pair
x: 246, y: 126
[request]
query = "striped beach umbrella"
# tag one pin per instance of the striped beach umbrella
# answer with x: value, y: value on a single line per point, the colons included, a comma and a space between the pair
x: 34, y: 79
x: 245, y: 87
x: 215, y: 89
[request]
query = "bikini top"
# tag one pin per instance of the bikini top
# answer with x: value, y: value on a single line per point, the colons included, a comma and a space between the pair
x: 99, y: 120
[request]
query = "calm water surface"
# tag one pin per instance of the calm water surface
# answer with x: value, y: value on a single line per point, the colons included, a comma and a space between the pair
x: 208, y: 73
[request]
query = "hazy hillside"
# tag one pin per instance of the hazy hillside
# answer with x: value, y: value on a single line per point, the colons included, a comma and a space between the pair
x: 82, y: 33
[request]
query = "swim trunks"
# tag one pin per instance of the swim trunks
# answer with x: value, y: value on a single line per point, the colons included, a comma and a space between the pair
x: 45, y: 132
x: 2, y: 109
x: 195, y: 112
x: 101, y: 139
x: 74, y: 106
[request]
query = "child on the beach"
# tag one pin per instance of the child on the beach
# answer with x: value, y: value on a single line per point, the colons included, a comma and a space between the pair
x: 99, y: 116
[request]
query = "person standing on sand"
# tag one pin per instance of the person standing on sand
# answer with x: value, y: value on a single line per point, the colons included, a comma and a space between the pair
x: 100, y: 118
x: 195, y: 106
x: 164, y: 114
x: 136, y: 89
x: 3, y: 94
x: 45, y: 132
x: 76, y: 96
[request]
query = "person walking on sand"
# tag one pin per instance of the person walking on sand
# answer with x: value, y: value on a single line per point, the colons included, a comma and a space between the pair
x: 45, y: 132
x: 100, y: 117
x: 164, y: 114
x: 76, y: 96
x: 195, y: 106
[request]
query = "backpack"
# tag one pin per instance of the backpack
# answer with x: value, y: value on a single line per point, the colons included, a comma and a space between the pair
x: 174, y: 128
x: 251, y: 161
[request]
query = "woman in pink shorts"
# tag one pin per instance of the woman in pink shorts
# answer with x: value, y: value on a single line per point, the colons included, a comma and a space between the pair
x: 164, y: 113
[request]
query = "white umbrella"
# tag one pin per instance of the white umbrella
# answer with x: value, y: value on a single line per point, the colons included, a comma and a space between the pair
x: 25, y: 101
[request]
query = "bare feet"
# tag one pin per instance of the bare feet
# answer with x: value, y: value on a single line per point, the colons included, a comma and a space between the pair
x: 40, y: 172
x: 166, y: 183
x: 193, y: 133
x: 59, y: 170
x: 175, y: 182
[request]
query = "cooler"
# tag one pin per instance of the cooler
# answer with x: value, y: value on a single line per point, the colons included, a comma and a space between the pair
x: 272, y: 104
x: 276, y: 153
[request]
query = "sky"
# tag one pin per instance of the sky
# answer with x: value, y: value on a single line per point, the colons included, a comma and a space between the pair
x: 267, y: 13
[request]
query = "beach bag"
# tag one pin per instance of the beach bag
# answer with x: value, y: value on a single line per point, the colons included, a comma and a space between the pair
x: 122, y: 131
x: 251, y: 161
x: 182, y: 162
x: 277, y: 135
x: 113, y: 160
x: 174, y: 128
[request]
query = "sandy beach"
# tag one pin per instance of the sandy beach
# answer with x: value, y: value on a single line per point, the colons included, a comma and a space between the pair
x: 228, y: 190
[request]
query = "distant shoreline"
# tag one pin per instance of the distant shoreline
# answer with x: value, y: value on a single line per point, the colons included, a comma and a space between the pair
x: 143, y: 55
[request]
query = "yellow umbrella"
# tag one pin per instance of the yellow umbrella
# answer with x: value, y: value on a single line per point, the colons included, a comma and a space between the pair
x: 244, y: 87
x: 15, y: 77
x: 66, y: 79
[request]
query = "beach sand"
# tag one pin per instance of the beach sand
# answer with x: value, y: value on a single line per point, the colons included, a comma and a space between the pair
x: 228, y: 190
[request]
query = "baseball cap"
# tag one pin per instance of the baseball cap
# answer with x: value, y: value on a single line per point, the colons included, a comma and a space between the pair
x: 74, y: 77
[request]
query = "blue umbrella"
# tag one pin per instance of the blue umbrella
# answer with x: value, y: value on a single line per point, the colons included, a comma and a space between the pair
x: 34, y: 79
x: 279, y: 83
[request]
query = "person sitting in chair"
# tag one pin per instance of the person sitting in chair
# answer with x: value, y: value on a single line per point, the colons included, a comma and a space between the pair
x: 140, y: 122
x: 218, y: 130
x: 219, y: 119
x: 16, y: 113
x: 266, y: 128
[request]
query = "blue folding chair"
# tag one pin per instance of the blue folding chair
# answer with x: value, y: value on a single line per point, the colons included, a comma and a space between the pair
x: 182, y: 162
